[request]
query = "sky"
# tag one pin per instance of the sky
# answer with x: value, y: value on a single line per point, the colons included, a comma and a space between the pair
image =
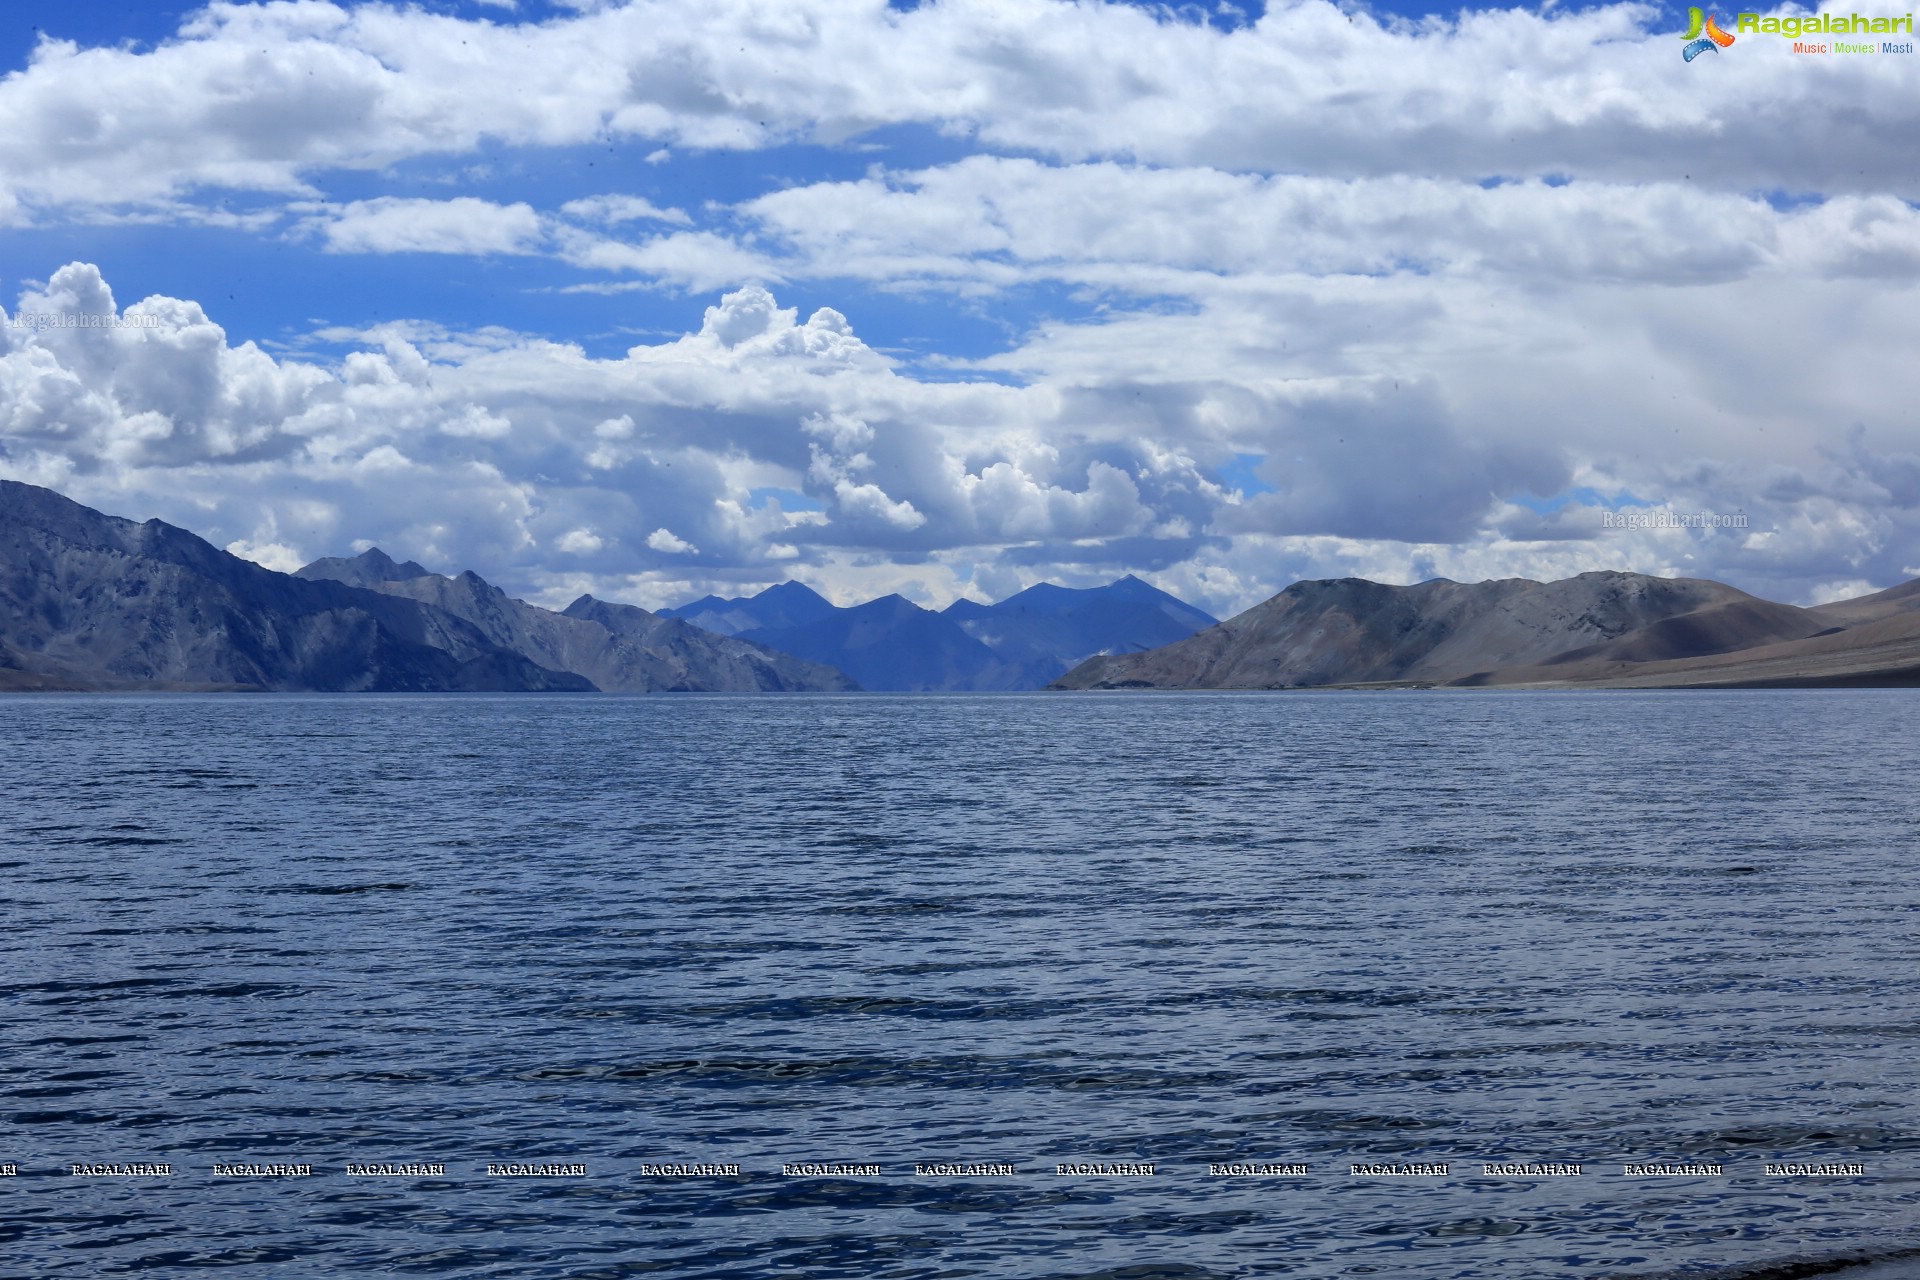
x: 658, y: 299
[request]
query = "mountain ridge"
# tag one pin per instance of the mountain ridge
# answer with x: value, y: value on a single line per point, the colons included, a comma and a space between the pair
x: 621, y: 649
x: 1599, y: 629
x: 891, y: 644
x: 90, y: 601
x: 1019, y: 643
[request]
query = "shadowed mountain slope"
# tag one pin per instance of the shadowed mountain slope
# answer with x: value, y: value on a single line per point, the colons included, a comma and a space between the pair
x: 90, y: 601
x: 620, y: 648
x: 732, y: 662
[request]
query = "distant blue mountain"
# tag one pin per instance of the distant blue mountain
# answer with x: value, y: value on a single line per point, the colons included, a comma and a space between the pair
x: 1024, y: 642
x: 892, y: 643
x: 790, y: 604
x: 1047, y: 630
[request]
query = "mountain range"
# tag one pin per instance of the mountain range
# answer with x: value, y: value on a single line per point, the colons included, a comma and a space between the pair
x: 90, y: 601
x: 1597, y: 630
x: 619, y: 647
x: 1022, y: 642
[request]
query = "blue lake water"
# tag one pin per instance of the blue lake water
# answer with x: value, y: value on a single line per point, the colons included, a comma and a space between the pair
x: 1397, y: 930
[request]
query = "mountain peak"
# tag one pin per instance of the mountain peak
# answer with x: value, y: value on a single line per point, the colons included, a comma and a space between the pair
x: 1134, y: 587
x: 377, y: 561
x: 791, y: 593
x: 614, y: 617
x: 785, y: 604
x: 894, y: 602
x: 366, y: 569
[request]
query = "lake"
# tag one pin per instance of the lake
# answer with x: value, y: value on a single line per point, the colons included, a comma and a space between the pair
x: 1116, y: 985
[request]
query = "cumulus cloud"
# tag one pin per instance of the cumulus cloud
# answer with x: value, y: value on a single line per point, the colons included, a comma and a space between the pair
x: 762, y: 444
x: 156, y: 385
x: 530, y: 458
x: 665, y: 540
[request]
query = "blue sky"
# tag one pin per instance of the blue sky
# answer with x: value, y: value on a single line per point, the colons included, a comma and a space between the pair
x: 663, y: 298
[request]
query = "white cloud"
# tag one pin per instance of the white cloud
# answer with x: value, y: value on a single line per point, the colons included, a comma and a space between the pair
x: 475, y: 423
x: 1828, y: 592
x: 698, y: 260
x: 613, y: 209
x: 265, y: 97
x: 1415, y: 276
x: 271, y: 555
x: 664, y: 540
x: 462, y: 225
x: 1179, y: 230
x: 160, y: 388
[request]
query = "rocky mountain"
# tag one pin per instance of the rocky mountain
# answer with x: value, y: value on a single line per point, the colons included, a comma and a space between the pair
x: 620, y: 648
x: 735, y: 663
x: 373, y: 568
x: 90, y: 601
x: 1595, y: 629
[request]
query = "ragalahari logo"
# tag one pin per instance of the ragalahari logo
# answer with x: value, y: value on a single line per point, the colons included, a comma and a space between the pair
x: 1697, y: 44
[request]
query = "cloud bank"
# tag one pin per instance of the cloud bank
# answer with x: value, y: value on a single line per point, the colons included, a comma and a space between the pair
x: 1336, y: 294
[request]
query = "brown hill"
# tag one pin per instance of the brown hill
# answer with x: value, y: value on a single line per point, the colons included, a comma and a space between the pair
x: 1595, y: 628
x: 1904, y: 598
x: 1884, y: 653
